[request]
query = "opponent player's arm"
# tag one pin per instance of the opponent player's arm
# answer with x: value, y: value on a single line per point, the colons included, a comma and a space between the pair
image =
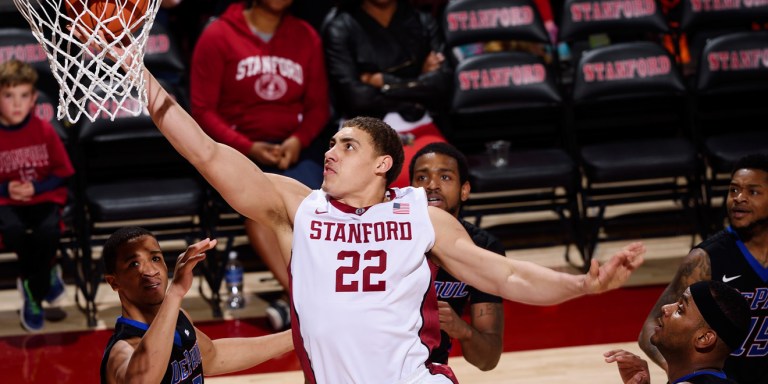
x: 238, y: 353
x: 146, y: 360
x: 240, y: 182
x: 522, y: 281
x: 694, y: 267
x: 482, y: 345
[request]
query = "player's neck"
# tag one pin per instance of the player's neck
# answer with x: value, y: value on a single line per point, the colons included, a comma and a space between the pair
x: 365, y: 198
x: 677, y: 371
x: 756, y: 241
x: 144, y: 316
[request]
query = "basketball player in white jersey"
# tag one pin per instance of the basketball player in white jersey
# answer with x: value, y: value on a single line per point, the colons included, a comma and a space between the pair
x: 360, y: 255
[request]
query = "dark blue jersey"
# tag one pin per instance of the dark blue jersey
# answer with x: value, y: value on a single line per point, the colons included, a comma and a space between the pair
x: 457, y: 293
x: 734, y: 265
x: 185, y: 364
x: 705, y: 377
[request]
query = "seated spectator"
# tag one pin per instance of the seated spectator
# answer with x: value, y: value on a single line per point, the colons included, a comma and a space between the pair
x: 34, y: 167
x: 385, y: 60
x: 258, y: 84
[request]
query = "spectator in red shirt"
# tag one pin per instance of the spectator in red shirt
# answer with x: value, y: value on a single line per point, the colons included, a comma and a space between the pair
x: 258, y: 84
x: 34, y: 167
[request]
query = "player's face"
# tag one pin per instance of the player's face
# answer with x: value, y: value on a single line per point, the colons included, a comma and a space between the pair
x: 141, y: 275
x: 747, y: 200
x: 350, y: 162
x: 16, y: 102
x: 677, y: 325
x: 439, y: 175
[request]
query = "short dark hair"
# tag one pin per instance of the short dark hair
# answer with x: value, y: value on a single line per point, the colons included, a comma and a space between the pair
x: 753, y: 161
x: 117, y: 240
x: 385, y: 140
x: 446, y: 149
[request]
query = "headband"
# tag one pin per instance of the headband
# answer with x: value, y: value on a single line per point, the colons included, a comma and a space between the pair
x: 732, y: 335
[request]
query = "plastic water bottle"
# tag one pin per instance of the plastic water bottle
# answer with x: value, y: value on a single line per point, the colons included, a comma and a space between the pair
x: 234, y: 279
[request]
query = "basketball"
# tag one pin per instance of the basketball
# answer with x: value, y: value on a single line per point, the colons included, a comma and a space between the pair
x: 113, y: 15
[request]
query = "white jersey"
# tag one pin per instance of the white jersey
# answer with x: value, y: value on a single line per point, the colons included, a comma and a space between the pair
x: 364, y: 307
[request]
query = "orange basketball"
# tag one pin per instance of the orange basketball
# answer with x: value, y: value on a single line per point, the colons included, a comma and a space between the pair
x: 113, y: 15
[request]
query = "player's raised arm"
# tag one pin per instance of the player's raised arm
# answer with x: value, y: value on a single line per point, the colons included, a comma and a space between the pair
x: 522, y: 281
x: 240, y: 182
x: 136, y: 359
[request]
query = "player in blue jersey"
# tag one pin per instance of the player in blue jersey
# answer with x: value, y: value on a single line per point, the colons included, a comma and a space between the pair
x: 155, y: 340
x: 695, y: 335
x: 737, y: 256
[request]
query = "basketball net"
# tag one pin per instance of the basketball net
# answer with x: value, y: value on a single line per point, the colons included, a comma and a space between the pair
x: 91, y: 84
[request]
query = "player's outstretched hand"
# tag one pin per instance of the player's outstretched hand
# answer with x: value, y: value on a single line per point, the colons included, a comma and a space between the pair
x: 632, y: 368
x: 182, y: 273
x: 616, y: 271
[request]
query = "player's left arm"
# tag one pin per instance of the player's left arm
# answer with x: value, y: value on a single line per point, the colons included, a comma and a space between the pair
x: 523, y: 281
x: 234, y: 354
x: 481, y: 342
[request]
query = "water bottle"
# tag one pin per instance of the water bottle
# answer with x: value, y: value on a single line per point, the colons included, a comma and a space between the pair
x: 234, y: 279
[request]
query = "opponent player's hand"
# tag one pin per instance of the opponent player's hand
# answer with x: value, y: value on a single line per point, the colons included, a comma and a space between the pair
x: 632, y: 368
x: 451, y: 323
x: 616, y: 271
x: 21, y: 190
x: 291, y: 148
x: 182, y: 273
x: 264, y: 153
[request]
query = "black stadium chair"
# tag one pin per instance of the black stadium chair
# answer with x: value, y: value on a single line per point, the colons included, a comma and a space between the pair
x: 729, y: 90
x: 627, y: 119
x: 128, y: 174
x: 20, y: 44
x: 512, y: 96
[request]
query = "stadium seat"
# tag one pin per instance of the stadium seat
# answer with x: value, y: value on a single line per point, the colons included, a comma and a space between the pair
x: 128, y: 174
x: 512, y: 96
x: 627, y: 120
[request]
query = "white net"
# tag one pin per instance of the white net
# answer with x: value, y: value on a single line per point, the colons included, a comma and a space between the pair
x: 91, y: 84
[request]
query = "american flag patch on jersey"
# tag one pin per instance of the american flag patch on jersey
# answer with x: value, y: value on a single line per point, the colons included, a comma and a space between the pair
x: 401, y: 208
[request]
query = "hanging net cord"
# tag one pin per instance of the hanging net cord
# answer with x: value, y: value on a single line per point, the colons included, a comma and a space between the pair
x: 92, y: 84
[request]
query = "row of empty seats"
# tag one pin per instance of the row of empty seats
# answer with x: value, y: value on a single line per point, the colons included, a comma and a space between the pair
x: 628, y: 126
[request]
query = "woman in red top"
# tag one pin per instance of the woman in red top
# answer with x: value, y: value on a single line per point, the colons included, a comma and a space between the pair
x: 258, y: 84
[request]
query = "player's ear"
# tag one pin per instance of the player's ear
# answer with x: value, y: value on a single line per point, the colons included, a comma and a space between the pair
x: 110, y: 279
x: 465, y: 189
x: 705, y: 338
x: 383, y: 164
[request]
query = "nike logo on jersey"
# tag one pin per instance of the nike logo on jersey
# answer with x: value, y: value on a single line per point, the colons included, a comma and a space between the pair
x: 319, y: 212
x: 727, y: 279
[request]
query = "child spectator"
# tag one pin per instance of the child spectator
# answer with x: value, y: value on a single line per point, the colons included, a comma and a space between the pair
x: 34, y: 167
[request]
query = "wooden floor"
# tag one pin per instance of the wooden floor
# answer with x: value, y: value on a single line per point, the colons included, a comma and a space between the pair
x: 573, y: 365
